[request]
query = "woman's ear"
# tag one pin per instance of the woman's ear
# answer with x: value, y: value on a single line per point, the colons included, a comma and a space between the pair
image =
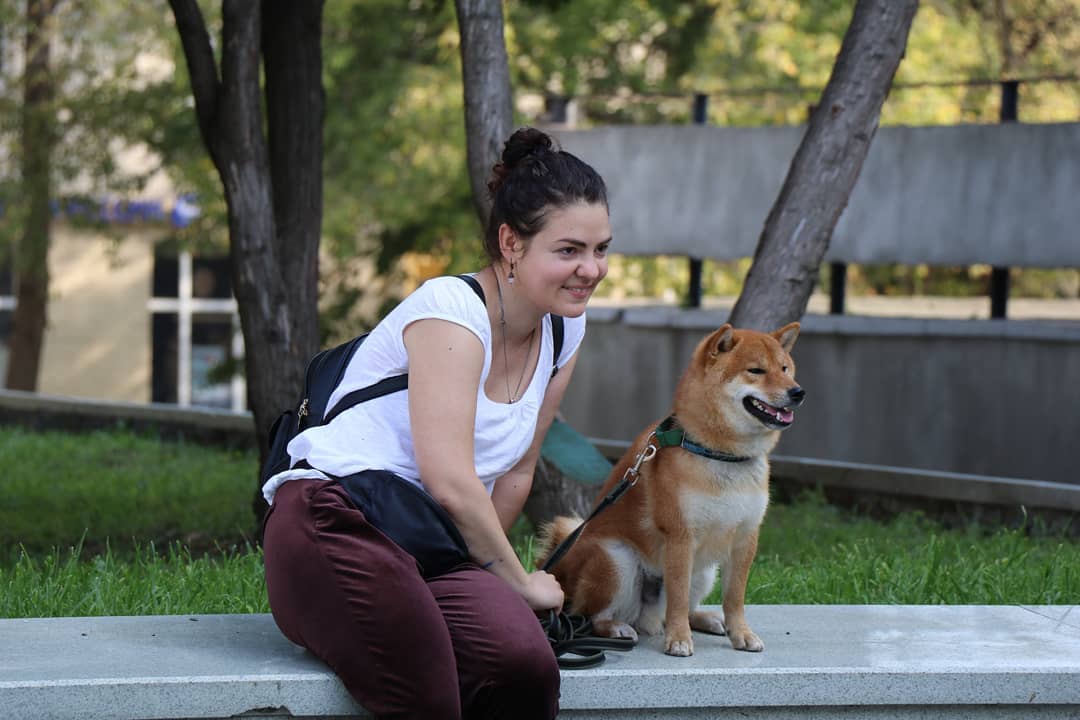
x: 508, y: 242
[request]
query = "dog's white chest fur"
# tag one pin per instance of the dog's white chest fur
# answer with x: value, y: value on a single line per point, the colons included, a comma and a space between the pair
x: 740, y: 497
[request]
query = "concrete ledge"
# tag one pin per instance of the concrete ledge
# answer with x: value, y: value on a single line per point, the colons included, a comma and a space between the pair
x: 933, y: 484
x: 72, y: 414
x: 820, y: 662
x: 705, y: 320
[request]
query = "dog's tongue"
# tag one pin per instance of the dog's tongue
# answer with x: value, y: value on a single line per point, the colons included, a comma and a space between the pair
x: 784, y: 415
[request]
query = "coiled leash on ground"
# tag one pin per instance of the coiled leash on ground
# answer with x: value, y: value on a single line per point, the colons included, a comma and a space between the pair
x: 573, y: 633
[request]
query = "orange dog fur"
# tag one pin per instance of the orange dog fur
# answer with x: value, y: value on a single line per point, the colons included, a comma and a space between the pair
x: 647, y: 562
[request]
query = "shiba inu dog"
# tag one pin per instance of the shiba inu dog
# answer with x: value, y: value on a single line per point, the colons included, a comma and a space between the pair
x: 647, y: 562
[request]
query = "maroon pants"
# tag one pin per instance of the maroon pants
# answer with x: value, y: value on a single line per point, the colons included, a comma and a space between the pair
x: 461, y: 645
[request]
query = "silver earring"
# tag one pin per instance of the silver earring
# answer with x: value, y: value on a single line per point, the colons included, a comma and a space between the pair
x: 510, y: 278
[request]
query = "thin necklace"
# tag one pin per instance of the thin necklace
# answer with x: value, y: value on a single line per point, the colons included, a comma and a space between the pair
x: 511, y: 397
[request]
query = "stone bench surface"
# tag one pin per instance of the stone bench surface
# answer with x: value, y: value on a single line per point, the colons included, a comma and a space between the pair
x: 820, y: 661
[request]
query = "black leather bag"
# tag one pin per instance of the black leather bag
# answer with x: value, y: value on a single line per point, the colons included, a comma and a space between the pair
x: 410, y: 517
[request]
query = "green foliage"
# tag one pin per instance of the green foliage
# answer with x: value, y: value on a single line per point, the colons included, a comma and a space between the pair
x: 102, y: 57
x: 63, y: 490
x: 395, y: 177
x: 395, y: 133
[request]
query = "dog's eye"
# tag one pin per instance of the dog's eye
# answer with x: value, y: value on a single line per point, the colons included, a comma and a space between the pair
x: 756, y: 371
x: 785, y: 368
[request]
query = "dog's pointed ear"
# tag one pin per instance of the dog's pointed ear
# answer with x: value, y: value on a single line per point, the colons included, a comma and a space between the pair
x: 722, y: 340
x: 787, y: 335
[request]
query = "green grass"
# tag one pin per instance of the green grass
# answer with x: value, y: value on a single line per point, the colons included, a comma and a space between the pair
x: 125, y: 493
x: 811, y: 552
x: 143, y: 582
x: 116, y: 487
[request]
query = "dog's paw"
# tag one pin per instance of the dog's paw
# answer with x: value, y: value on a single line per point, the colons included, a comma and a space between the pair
x: 679, y: 647
x: 613, y: 629
x: 650, y: 624
x: 745, y: 639
x: 679, y: 644
x: 622, y: 630
x: 708, y: 622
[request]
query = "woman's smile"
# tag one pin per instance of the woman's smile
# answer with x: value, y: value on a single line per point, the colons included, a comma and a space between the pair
x: 580, y: 292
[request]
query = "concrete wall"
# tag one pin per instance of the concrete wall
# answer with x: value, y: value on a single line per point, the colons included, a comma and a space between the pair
x: 999, y: 398
x: 97, y: 343
x: 996, y: 194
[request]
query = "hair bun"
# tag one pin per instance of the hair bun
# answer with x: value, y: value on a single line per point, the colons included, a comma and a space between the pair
x: 523, y: 145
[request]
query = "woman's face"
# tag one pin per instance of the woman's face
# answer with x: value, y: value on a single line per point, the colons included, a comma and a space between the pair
x: 562, y: 264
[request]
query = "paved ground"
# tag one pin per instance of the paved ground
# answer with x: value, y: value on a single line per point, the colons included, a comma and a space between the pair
x: 819, y: 661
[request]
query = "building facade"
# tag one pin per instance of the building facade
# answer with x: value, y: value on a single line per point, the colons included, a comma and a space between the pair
x: 134, y: 316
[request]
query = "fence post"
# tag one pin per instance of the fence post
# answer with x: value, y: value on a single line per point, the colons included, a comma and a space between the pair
x: 556, y: 108
x: 700, y: 116
x: 837, y: 286
x: 999, y: 276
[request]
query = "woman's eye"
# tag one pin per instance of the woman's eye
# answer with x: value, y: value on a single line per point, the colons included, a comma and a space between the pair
x: 567, y: 251
x: 756, y: 371
x: 602, y: 250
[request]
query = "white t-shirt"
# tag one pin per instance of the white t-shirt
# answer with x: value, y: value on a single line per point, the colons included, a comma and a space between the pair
x: 376, y: 435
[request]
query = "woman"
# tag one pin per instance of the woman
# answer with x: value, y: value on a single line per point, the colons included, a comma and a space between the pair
x: 467, y: 431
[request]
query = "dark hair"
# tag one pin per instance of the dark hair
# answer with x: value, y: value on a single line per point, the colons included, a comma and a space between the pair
x: 532, y: 178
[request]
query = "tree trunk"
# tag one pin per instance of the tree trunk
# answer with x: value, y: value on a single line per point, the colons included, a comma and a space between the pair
x: 556, y: 494
x: 825, y: 168
x: 489, y: 112
x: 31, y: 261
x: 273, y: 191
x: 488, y: 122
x: 295, y: 101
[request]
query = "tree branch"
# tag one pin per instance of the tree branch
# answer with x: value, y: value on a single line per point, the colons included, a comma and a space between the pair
x: 200, y: 60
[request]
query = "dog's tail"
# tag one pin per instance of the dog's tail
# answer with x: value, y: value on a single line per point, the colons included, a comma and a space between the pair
x: 553, y: 533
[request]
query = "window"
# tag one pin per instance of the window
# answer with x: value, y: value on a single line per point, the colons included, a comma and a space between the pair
x: 195, y: 332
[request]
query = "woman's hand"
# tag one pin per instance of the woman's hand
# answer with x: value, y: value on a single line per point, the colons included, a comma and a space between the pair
x: 542, y: 591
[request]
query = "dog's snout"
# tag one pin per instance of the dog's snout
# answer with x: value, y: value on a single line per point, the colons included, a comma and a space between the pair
x: 797, y: 395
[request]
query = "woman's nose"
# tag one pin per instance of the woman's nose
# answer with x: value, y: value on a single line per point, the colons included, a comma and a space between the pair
x: 590, y: 268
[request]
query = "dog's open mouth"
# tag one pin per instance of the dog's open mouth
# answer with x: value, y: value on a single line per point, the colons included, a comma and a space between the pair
x: 771, y: 416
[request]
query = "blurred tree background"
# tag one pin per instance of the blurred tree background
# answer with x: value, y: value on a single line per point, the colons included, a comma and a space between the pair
x: 397, y: 207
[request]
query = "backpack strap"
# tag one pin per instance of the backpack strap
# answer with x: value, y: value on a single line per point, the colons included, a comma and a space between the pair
x: 392, y: 384
x: 557, y: 341
x: 475, y: 285
x: 385, y: 386
x: 396, y: 383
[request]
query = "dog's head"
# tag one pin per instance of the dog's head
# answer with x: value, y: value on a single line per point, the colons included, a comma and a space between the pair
x: 748, y: 377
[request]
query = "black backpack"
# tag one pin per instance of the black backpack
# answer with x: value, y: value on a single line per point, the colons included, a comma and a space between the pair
x: 323, y: 375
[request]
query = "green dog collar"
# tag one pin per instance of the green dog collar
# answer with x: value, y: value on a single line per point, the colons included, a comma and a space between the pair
x: 670, y: 434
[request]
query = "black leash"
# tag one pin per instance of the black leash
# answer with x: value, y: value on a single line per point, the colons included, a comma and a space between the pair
x: 629, y: 479
x: 573, y: 633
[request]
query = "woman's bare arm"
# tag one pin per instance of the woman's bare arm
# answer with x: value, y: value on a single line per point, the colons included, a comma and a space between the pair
x: 445, y: 363
x: 512, y: 489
